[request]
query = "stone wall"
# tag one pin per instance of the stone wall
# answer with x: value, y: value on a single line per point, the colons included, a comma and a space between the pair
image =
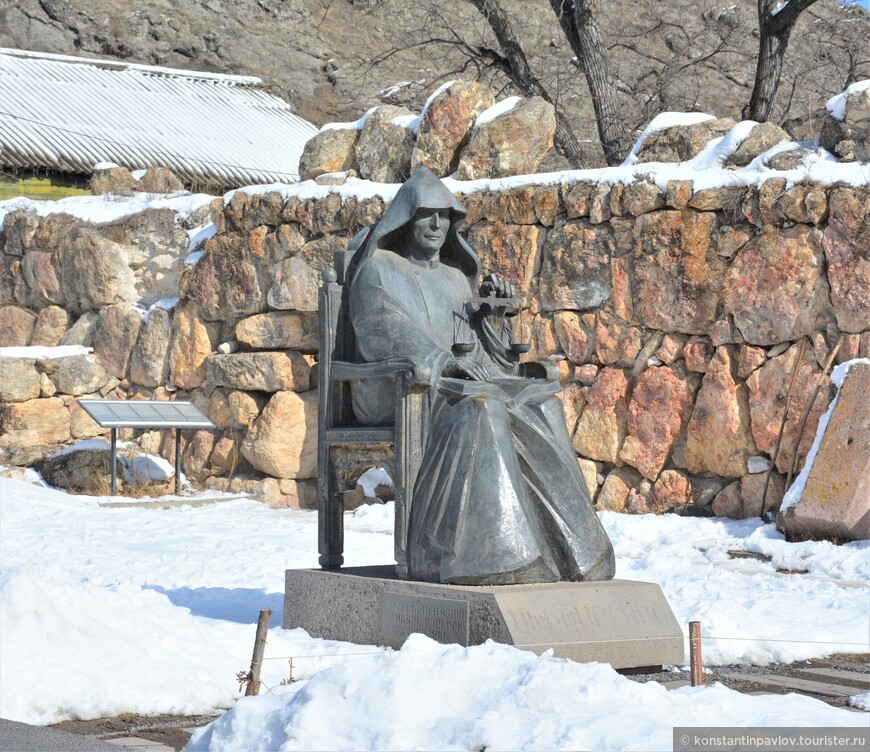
x: 676, y: 319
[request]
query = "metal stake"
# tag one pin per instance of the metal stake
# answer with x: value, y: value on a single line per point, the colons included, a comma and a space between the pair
x: 177, y: 461
x: 697, y: 664
x: 114, y: 434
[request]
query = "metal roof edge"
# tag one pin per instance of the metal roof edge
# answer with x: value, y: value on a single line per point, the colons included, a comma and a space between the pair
x: 121, y: 66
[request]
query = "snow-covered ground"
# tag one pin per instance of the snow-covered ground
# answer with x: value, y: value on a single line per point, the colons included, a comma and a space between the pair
x: 149, y: 609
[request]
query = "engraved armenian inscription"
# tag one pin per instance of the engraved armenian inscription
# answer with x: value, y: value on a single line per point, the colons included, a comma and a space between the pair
x: 442, y: 619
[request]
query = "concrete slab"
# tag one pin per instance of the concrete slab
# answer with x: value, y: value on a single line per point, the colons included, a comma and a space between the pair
x: 623, y: 623
x: 800, y: 685
x: 135, y: 744
x: 835, y: 503
x: 841, y: 674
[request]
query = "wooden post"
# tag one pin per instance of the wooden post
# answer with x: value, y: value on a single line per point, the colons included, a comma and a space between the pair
x: 695, y: 660
x: 114, y: 459
x: 253, y: 687
x: 177, y: 461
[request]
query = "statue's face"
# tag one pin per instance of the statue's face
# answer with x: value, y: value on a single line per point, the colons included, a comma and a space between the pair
x: 429, y: 230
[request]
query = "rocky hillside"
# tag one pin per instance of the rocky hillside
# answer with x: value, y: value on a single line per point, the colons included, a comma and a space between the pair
x: 335, y: 58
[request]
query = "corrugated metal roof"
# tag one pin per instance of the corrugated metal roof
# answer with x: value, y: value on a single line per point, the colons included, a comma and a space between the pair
x: 68, y: 114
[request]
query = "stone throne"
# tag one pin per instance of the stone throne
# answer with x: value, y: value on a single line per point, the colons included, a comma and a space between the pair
x: 345, y: 448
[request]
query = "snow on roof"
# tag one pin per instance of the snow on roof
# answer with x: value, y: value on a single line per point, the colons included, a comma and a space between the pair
x: 70, y: 114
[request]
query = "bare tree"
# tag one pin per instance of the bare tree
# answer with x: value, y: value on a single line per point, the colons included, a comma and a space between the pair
x: 776, y: 20
x: 579, y: 22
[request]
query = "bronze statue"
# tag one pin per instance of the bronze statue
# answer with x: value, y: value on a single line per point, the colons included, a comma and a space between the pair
x: 499, y: 497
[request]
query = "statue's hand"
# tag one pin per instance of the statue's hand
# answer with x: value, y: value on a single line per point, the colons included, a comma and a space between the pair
x: 464, y: 368
x: 495, y: 284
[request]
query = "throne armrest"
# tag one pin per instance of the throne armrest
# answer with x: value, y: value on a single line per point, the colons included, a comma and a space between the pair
x: 539, y: 369
x: 341, y: 370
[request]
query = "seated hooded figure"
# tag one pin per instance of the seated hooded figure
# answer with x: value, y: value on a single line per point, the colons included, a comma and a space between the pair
x: 499, y: 498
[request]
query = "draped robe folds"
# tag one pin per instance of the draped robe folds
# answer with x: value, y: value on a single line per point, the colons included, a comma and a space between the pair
x: 499, y: 498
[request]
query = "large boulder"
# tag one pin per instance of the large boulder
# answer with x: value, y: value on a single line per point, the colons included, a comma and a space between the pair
x: 846, y: 242
x: 33, y: 423
x: 113, y: 179
x: 509, y: 250
x: 226, y: 281
x: 776, y: 289
x: 159, y: 180
x: 259, y: 371
x: 16, y: 326
x: 679, y: 143
x: 833, y: 504
x: 762, y: 137
x: 38, y: 283
x: 82, y: 471
x: 677, y: 272
x: 659, y: 410
x: 513, y: 143
x: 283, y: 441
x: 149, y: 361
x: 297, y: 279
x: 75, y: 374
x: 283, y: 330
x: 719, y: 432
x: 384, y: 148
x: 331, y: 150
x: 95, y: 272
x: 768, y: 387
x: 115, y: 334
x: 19, y: 380
x: 191, y: 345
x: 576, y: 335
x: 445, y: 125
x: 846, y: 131
x: 603, y: 425
x: 576, y: 269
x: 51, y: 324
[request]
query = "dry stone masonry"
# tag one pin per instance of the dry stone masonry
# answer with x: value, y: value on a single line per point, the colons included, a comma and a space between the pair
x: 676, y: 316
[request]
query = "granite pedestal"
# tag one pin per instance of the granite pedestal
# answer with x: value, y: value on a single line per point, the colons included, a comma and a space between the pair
x: 626, y: 624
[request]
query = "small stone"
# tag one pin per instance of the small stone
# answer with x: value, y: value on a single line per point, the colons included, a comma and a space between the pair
x: 16, y: 326
x: 671, y: 348
x: 728, y: 503
x: 618, y: 484
x: 752, y: 494
x: 697, y: 354
x: 259, y: 371
x: 679, y: 193
x: 586, y: 373
x: 748, y: 359
x: 643, y: 197
x: 758, y: 464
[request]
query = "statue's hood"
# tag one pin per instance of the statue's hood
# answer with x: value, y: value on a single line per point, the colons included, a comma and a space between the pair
x: 423, y: 190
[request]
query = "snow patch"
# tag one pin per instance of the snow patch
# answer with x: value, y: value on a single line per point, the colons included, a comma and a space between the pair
x: 836, y: 105
x: 88, y: 445
x: 659, y: 123
x: 499, y: 108
x: 198, y: 235
x: 372, y: 478
x: 353, y: 125
x: 38, y: 352
x: 490, y: 696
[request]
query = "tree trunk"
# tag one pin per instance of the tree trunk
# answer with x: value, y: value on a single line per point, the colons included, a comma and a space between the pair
x: 584, y: 35
x: 774, y: 32
x: 514, y: 64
